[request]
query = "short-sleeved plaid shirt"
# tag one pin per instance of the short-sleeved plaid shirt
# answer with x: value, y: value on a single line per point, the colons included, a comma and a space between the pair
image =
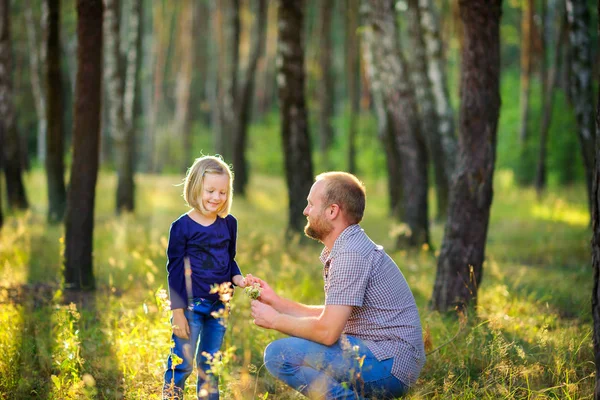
x: 359, y: 273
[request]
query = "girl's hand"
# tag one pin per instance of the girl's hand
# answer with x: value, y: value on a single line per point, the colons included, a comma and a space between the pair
x: 181, y: 328
x: 239, y: 281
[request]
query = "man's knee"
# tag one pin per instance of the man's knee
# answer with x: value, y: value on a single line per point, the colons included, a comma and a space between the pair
x: 281, y: 353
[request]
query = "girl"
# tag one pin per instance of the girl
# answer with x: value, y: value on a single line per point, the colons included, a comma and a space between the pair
x: 201, y: 253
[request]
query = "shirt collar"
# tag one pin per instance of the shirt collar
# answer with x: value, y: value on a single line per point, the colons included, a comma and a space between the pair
x: 327, y: 255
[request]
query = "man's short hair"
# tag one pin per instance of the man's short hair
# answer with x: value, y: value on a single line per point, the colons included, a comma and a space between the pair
x: 347, y: 192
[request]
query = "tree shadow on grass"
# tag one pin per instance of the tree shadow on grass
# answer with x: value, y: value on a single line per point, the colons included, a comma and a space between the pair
x: 39, y: 367
x: 101, y: 368
x: 34, y: 298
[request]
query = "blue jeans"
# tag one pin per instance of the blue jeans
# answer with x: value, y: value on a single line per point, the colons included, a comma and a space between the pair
x: 206, y: 335
x: 332, y: 372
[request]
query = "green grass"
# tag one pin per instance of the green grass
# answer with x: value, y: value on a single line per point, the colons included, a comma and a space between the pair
x: 530, y: 336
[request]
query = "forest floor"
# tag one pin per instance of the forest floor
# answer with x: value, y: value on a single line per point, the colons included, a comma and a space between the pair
x: 529, y: 337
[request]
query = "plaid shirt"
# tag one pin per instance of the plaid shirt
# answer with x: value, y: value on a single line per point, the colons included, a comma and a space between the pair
x: 359, y: 273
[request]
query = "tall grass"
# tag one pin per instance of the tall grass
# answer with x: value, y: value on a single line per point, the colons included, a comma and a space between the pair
x: 529, y: 337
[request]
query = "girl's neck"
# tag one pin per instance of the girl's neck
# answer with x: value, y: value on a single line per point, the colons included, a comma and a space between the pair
x: 201, y: 218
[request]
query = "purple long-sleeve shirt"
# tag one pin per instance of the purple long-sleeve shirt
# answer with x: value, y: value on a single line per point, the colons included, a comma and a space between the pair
x: 211, y: 250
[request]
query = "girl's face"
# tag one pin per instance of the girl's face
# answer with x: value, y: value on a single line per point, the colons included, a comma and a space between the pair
x: 214, y: 192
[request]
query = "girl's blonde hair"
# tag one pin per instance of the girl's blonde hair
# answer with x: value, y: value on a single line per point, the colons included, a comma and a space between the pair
x: 194, y: 183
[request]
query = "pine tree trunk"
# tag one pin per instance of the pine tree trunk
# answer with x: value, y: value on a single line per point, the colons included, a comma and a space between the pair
x: 326, y: 85
x: 294, y: 119
x: 228, y: 34
x: 352, y: 78
x: 581, y: 85
x: 184, y: 81
x: 460, y: 263
x: 11, y: 145
x: 427, y: 110
x: 37, y: 61
x: 549, y: 84
x: 392, y: 77
x: 118, y: 128
x: 526, y: 66
x: 240, y: 164
x: 596, y: 251
x: 79, y: 225
x: 55, y: 150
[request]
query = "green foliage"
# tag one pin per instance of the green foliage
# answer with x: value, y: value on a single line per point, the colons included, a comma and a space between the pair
x: 528, y: 337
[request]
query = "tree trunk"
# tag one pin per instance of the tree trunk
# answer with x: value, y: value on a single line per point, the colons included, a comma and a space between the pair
x: 391, y: 76
x: 326, y: 85
x: 460, y: 269
x: 37, y: 61
x: 352, y: 78
x: 430, y: 23
x: 596, y: 252
x: 228, y: 34
x: 549, y: 83
x: 526, y: 66
x: 79, y: 225
x: 113, y: 74
x: 387, y: 137
x: 581, y: 85
x: 244, y: 103
x: 184, y: 81
x: 294, y: 119
x: 55, y: 149
x: 11, y: 145
x: 427, y: 108
x: 130, y: 104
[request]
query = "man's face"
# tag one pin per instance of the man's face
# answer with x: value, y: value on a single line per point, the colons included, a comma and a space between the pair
x: 317, y: 226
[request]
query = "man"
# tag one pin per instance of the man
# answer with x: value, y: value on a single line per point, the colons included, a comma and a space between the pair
x: 366, y: 340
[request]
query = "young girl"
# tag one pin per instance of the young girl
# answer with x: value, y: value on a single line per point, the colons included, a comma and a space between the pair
x: 206, y: 236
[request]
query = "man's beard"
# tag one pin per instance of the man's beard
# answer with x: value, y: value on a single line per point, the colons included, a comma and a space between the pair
x: 318, y: 229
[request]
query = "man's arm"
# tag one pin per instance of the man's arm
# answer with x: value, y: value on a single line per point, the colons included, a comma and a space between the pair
x: 280, y: 304
x: 324, y: 328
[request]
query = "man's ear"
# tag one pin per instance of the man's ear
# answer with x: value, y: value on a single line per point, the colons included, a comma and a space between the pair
x: 334, y: 211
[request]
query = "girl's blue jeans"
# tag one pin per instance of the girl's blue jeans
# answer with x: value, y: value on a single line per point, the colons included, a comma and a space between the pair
x: 345, y: 370
x: 206, y: 336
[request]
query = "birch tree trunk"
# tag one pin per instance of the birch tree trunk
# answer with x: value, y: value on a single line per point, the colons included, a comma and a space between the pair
x: 245, y: 101
x: 386, y: 135
x: 55, y: 149
x: 430, y: 24
x: 429, y: 122
x: 460, y: 263
x: 294, y: 119
x: 79, y: 224
x: 392, y: 77
x: 581, y: 84
x: 11, y: 143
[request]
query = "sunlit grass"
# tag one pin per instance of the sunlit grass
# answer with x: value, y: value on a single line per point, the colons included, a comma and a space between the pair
x: 528, y: 338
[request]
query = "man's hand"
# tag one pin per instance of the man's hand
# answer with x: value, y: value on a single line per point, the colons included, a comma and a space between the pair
x: 181, y: 328
x: 267, y: 295
x: 263, y: 314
